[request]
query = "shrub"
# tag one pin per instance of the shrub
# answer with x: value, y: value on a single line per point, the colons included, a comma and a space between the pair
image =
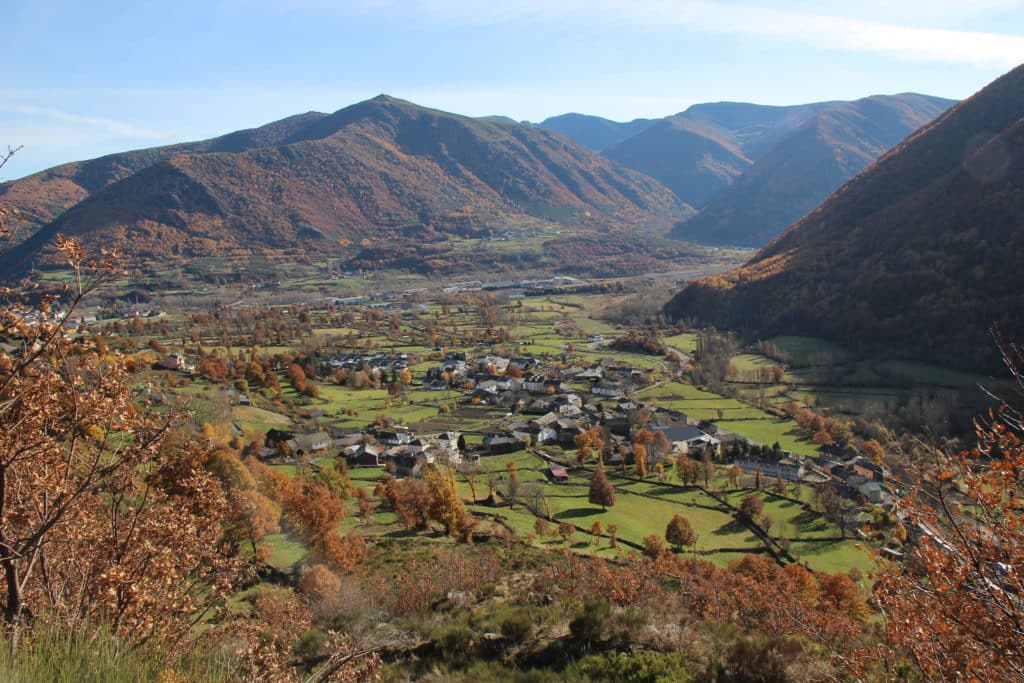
x: 591, y: 622
x: 654, y: 546
x: 454, y: 642
x: 633, y: 667
x: 515, y: 625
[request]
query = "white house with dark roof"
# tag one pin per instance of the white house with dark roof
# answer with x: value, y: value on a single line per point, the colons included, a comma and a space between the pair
x: 685, y: 438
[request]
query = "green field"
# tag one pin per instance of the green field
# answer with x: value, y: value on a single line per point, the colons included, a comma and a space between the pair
x: 806, y: 351
x: 285, y: 551
x: 641, y: 508
x: 686, y: 341
x: 770, y: 430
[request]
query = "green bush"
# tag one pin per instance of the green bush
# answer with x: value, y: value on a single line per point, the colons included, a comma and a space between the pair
x: 308, y: 645
x: 635, y: 667
x: 591, y: 623
x: 515, y: 625
x: 454, y: 642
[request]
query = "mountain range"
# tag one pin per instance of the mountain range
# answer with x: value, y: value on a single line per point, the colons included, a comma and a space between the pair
x: 595, y: 132
x: 805, y: 166
x: 699, y: 152
x: 919, y: 254
x: 381, y: 169
x: 750, y: 169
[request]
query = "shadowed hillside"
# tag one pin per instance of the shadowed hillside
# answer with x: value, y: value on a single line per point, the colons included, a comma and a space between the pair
x: 699, y: 152
x: 920, y: 254
x: 805, y: 167
x: 593, y: 131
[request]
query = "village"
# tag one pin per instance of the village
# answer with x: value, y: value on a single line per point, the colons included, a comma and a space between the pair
x: 551, y: 412
x: 510, y: 382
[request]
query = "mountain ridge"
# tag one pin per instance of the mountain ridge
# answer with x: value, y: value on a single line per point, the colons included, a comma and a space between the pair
x: 698, y: 152
x: 595, y: 132
x: 918, y: 255
x: 806, y: 166
x: 362, y: 172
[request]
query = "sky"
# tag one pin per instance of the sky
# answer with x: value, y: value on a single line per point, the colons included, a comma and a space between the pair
x: 83, y: 79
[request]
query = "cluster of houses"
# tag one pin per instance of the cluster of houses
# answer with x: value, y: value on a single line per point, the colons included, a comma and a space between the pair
x: 553, y: 408
x: 383, y: 361
x: 400, y: 450
x: 857, y: 476
x: 129, y: 311
x: 548, y: 420
x: 491, y: 380
x: 851, y: 475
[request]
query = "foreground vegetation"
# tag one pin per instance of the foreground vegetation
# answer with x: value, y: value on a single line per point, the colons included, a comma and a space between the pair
x: 142, y: 539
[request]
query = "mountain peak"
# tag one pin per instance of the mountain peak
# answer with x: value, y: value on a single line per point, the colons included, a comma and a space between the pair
x: 382, y: 168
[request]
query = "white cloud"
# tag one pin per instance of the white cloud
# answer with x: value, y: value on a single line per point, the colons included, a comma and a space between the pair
x: 816, y: 24
x: 108, y: 126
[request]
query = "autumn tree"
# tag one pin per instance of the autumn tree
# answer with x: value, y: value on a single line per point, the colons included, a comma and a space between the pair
x: 411, y: 501
x: 687, y: 469
x: 735, y: 472
x: 322, y: 589
x: 751, y: 508
x: 660, y: 445
x: 588, y: 444
x: 256, y: 516
x: 542, y: 527
x: 470, y: 471
x: 654, y: 546
x: 836, y: 509
x: 93, y: 501
x: 640, y: 457
x: 643, y: 437
x: 613, y: 535
x: 962, y: 577
x: 601, y: 490
x: 335, y: 477
x: 840, y: 594
x: 513, y: 483
x: 273, y: 483
x: 780, y: 487
x: 679, y: 533
x: 446, y: 506
x: 314, y: 510
x: 596, y: 529
x: 873, y: 451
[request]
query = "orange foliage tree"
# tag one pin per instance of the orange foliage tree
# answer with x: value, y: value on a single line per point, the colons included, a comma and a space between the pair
x: 601, y: 490
x: 102, y: 518
x: 587, y: 444
x: 679, y: 533
x: 954, y: 607
x: 256, y: 516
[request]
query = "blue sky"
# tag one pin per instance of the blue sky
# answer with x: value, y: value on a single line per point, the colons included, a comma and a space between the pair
x: 82, y: 79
